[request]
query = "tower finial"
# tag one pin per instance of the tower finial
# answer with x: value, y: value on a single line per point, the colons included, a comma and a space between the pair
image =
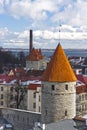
x: 59, y: 30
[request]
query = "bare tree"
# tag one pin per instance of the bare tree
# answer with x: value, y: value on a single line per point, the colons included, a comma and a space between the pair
x: 20, y: 94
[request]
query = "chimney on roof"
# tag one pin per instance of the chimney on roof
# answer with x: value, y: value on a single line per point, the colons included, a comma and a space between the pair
x: 31, y: 42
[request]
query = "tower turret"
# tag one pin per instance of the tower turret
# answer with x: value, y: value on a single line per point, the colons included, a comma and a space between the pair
x: 58, y: 89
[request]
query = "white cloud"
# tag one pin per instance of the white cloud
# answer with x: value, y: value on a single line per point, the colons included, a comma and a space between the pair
x: 68, y: 12
x: 43, y: 38
x: 24, y: 34
x: 72, y: 13
x: 36, y: 10
x: 3, y: 32
x: 1, y: 6
x: 45, y: 16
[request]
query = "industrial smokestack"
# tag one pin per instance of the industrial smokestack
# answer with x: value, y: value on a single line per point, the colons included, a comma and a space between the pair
x: 31, y: 42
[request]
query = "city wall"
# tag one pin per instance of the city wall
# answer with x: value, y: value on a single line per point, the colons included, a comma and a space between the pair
x: 20, y: 119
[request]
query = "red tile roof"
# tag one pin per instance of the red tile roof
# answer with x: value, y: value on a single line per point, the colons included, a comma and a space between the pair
x: 81, y: 89
x: 33, y: 86
x: 82, y: 78
x: 6, y: 78
x: 59, y: 69
x: 78, y: 118
x: 13, y: 72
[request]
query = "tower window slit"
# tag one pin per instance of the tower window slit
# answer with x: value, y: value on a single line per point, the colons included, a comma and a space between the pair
x: 65, y: 112
x: 53, y: 87
x: 66, y: 86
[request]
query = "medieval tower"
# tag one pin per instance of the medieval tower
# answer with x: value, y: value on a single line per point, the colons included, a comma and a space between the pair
x: 58, y: 89
x: 35, y: 60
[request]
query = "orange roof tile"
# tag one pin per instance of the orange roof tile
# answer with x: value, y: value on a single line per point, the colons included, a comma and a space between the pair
x: 35, y: 55
x: 59, y: 69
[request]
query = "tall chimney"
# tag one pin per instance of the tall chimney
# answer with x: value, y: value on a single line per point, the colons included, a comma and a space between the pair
x: 31, y: 42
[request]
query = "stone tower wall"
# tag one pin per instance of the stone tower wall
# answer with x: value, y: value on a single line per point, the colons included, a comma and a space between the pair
x: 36, y: 65
x: 58, y: 101
x: 32, y: 65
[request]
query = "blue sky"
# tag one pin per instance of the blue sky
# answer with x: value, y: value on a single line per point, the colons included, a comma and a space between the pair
x: 17, y: 17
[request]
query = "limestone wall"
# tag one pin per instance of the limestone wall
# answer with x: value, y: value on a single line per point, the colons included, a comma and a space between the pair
x: 36, y: 65
x: 58, y: 101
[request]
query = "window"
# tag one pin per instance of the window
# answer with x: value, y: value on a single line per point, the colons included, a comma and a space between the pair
x: 11, y: 89
x: 1, y: 88
x: 7, y: 115
x: 42, y: 86
x: 1, y: 96
x: 85, y: 107
x: 39, y: 108
x: 85, y: 70
x: 46, y: 112
x: 66, y: 86
x: 27, y: 119
x: 1, y: 102
x: 86, y: 96
x: 39, y: 98
x: 11, y: 97
x: 34, y: 105
x: 79, y: 97
x: 65, y: 112
x: 13, y: 117
x: 23, y: 119
x: 53, y: 87
x: 82, y: 97
x: 82, y: 107
x: 17, y: 117
x: 34, y: 95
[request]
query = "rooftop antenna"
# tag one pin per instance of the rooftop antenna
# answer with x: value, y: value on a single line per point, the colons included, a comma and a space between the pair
x: 59, y: 31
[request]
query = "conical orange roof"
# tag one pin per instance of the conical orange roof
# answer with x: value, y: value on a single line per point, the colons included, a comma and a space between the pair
x: 59, y: 69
